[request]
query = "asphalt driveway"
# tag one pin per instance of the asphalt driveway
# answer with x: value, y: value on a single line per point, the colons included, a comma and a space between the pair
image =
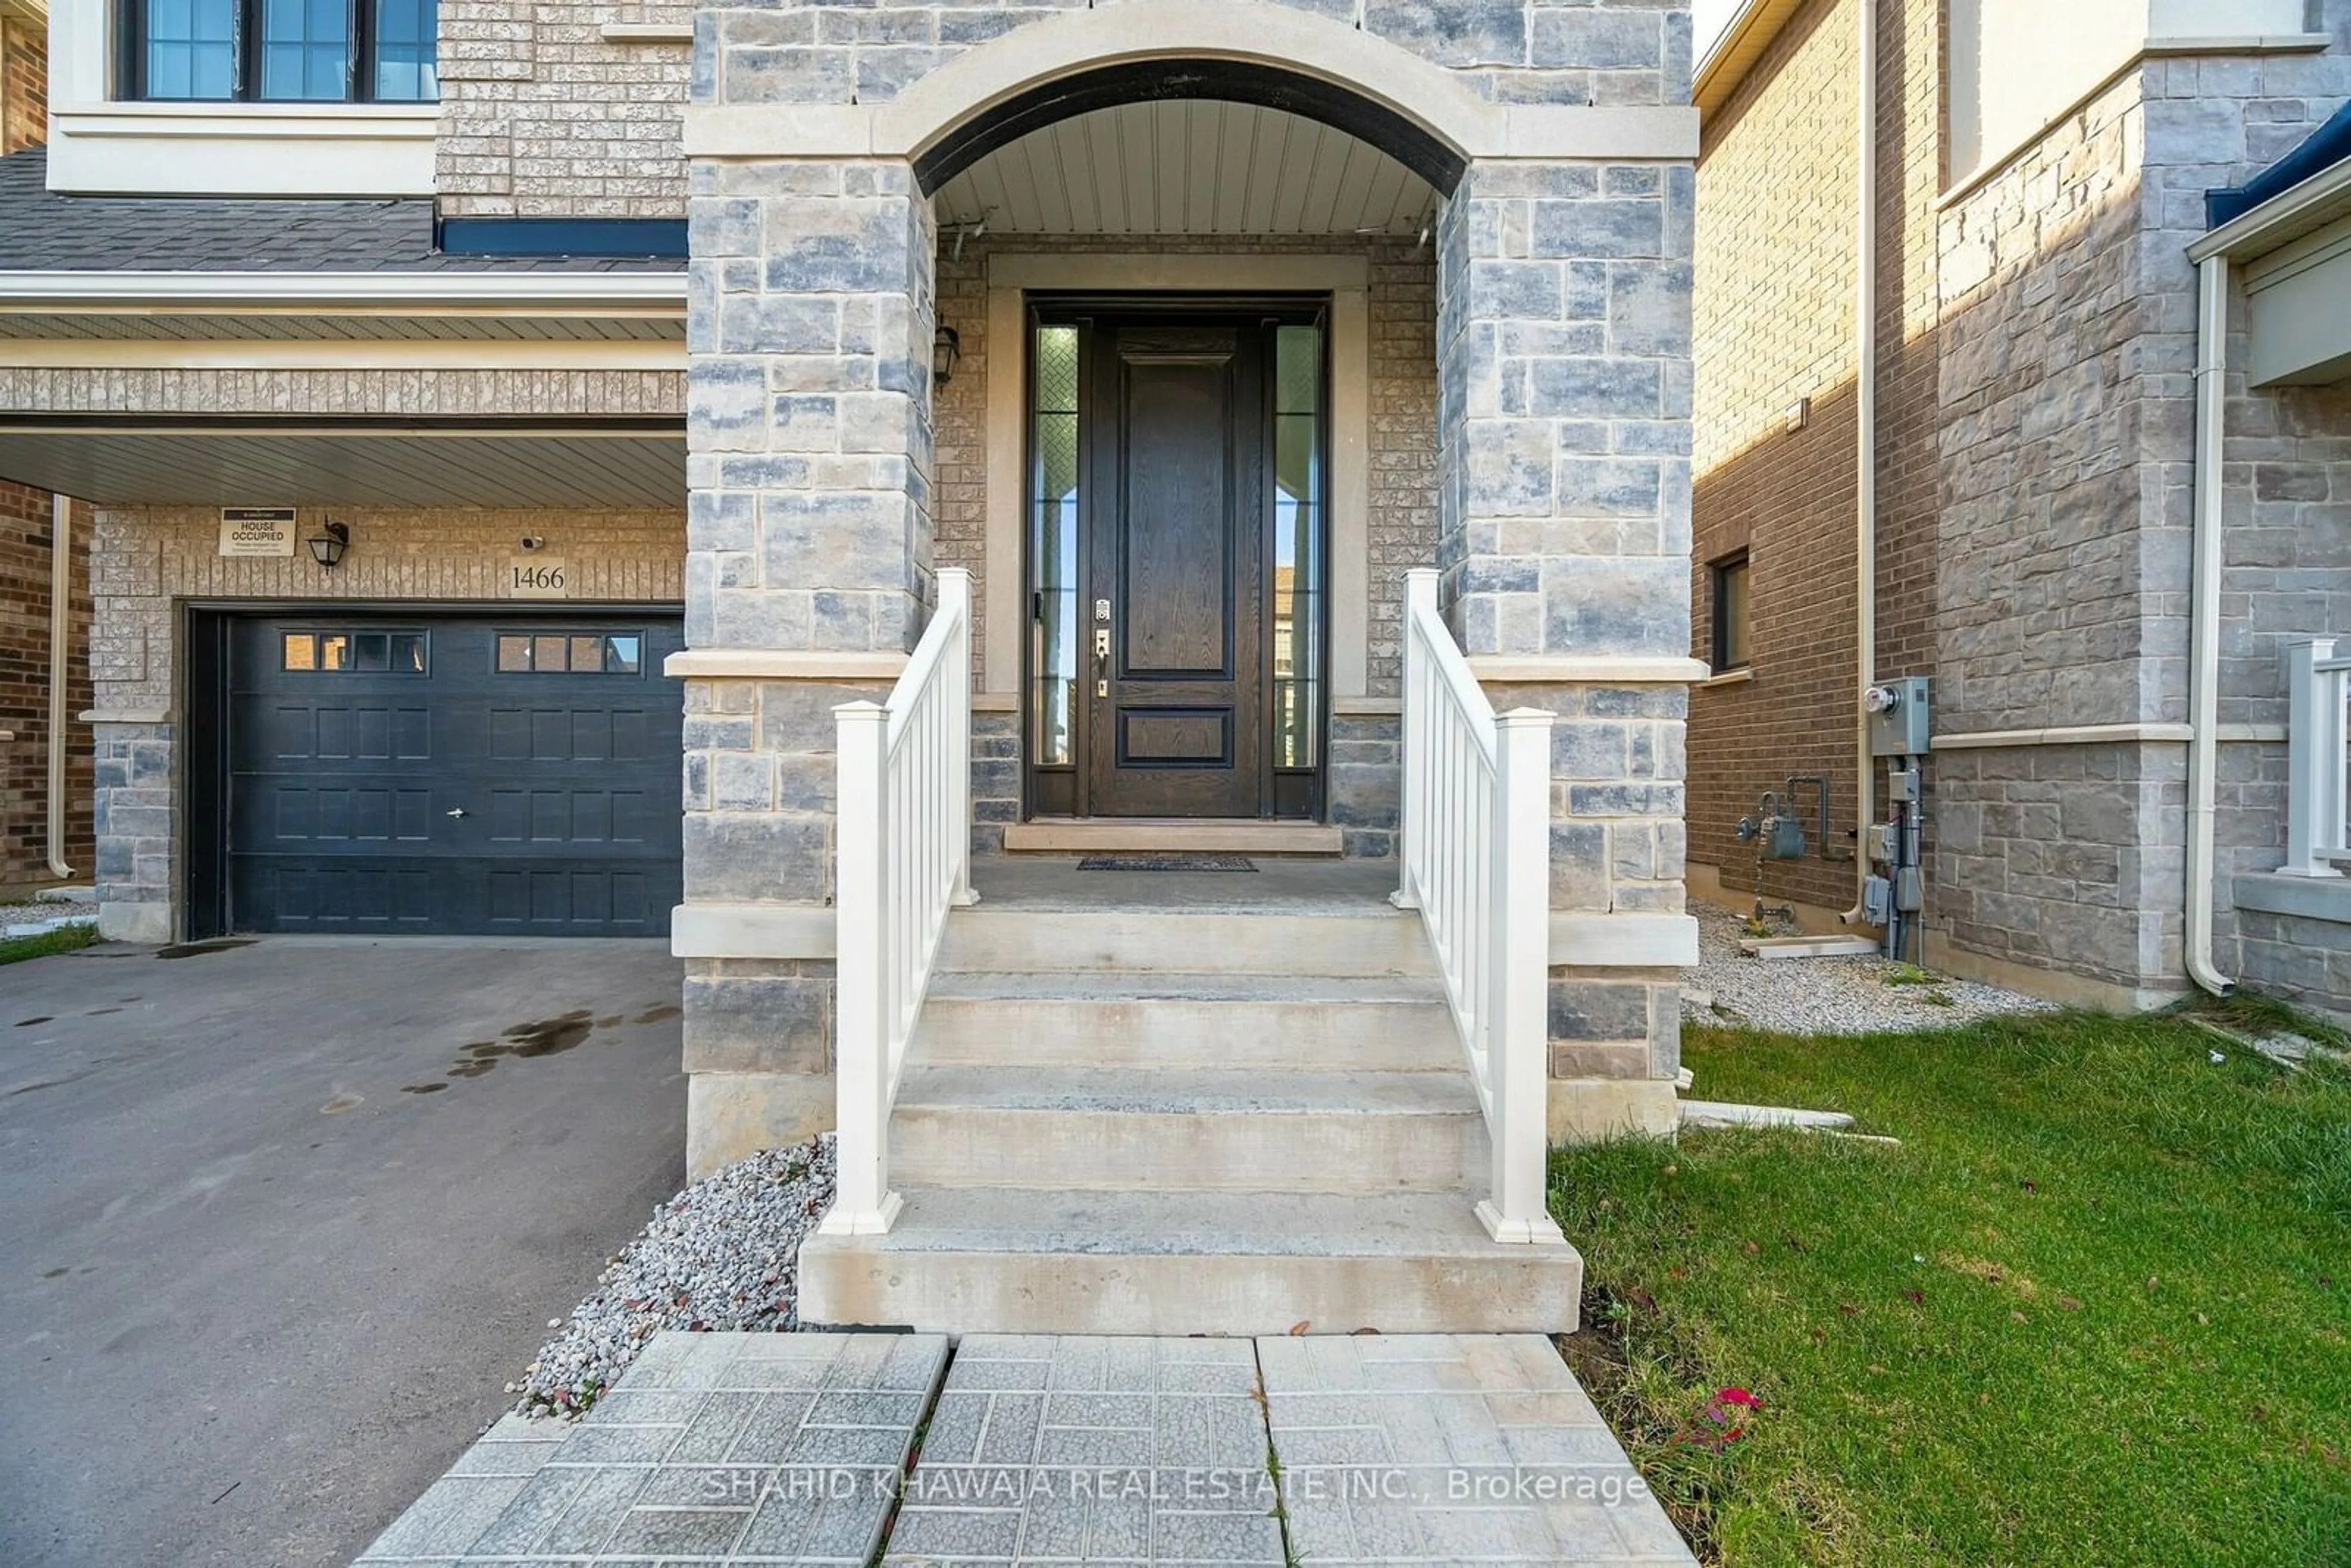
x: 278, y: 1222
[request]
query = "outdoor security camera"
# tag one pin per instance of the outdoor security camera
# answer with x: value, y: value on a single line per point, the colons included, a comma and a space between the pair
x: 532, y: 541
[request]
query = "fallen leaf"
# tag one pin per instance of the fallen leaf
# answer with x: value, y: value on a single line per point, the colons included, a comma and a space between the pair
x: 1359, y: 1332
x: 1916, y: 1297
x: 2030, y: 1185
x: 2016, y: 1317
x: 1298, y: 1330
x: 1749, y: 1247
x: 1642, y: 1299
x: 2069, y: 1303
x: 1847, y: 1308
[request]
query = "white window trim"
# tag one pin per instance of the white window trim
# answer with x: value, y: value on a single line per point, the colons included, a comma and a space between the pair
x: 102, y: 147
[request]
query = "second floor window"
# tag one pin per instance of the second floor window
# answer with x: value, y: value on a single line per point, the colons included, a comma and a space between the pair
x: 282, y: 52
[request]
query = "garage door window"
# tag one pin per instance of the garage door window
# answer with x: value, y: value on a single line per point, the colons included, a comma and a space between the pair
x: 364, y: 653
x: 571, y: 653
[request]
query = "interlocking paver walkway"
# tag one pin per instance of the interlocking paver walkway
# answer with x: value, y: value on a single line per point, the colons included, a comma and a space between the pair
x: 1445, y: 1448
x: 722, y: 1449
x: 1066, y: 1450
x: 712, y: 1448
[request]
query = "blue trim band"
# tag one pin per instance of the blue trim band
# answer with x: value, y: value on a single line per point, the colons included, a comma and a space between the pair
x: 662, y: 238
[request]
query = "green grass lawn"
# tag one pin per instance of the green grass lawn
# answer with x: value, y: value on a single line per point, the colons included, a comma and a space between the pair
x: 15, y: 949
x: 2095, y: 1309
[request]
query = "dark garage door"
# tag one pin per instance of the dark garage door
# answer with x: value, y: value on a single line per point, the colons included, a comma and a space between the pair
x: 479, y: 775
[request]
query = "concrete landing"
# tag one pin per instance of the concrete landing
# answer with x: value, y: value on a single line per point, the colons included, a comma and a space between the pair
x: 722, y: 1450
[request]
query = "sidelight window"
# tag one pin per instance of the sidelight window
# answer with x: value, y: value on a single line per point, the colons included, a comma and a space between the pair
x: 1053, y: 548
x: 1298, y: 564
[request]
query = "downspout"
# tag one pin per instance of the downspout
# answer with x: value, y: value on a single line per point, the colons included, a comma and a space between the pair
x: 60, y: 625
x: 2204, y: 617
x: 1865, y: 438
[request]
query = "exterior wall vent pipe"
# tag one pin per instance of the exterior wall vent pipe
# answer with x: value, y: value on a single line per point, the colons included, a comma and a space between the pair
x: 2204, y: 619
x: 1866, y: 437
x: 60, y: 629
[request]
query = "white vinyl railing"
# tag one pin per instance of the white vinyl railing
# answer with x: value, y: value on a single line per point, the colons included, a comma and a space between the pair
x: 2318, y: 771
x: 904, y: 842
x: 1476, y: 861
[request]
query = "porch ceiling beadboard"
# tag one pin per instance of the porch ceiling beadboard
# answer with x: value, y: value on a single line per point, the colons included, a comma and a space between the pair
x: 1190, y: 166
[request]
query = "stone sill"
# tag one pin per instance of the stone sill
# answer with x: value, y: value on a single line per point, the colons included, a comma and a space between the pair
x: 1738, y: 677
x: 2302, y: 897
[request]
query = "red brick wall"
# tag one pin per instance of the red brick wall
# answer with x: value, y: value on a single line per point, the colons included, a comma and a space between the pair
x: 1774, y: 314
x: 25, y: 578
x: 24, y: 86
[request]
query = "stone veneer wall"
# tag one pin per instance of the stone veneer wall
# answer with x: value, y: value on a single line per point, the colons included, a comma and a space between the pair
x: 541, y: 116
x: 28, y: 526
x: 2052, y: 608
x: 2286, y: 475
x: 147, y: 562
x: 1564, y: 388
x: 2068, y: 445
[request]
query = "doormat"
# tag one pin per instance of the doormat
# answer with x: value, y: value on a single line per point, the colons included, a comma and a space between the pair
x: 1165, y: 862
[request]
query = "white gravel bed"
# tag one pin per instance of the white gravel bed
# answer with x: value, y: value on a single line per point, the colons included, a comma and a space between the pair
x: 721, y: 1256
x: 1826, y: 996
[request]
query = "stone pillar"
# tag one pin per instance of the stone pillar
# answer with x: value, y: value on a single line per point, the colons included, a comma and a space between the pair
x: 1563, y: 348
x: 808, y: 566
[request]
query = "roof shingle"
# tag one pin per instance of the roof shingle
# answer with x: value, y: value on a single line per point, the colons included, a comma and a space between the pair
x: 43, y: 232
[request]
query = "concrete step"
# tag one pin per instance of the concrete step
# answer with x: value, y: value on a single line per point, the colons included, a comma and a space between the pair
x: 1053, y: 1260
x: 1109, y: 1129
x: 1375, y: 1023
x: 1349, y: 939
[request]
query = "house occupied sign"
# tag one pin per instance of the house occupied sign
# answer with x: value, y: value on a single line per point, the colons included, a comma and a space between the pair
x: 257, y: 531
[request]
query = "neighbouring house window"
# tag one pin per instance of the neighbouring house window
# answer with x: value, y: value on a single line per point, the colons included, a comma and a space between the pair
x: 281, y: 51
x: 362, y: 652
x: 571, y: 654
x: 1729, y: 612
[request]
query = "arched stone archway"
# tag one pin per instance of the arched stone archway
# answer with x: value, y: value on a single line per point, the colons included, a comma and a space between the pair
x: 1556, y: 363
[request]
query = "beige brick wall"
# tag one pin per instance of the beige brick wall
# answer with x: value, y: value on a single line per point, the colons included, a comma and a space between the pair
x: 24, y: 85
x: 1774, y: 316
x: 455, y: 394
x: 150, y: 560
x: 1776, y: 305
x: 540, y: 116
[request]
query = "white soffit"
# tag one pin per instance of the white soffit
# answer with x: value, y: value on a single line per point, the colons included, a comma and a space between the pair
x: 163, y: 467
x: 488, y: 308
x: 1186, y: 166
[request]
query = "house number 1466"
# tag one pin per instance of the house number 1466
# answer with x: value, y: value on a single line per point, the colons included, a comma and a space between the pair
x: 537, y: 576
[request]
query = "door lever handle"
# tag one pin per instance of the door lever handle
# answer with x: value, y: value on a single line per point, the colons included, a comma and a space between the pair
x: 459, y: 811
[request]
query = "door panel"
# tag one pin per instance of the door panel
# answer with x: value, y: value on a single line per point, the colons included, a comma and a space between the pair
x: 1176, y: 556
x: 453, y: 789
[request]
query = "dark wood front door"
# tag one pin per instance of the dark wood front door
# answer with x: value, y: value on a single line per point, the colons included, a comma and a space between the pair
x: 1172, y: 627
x: 1176, y: 559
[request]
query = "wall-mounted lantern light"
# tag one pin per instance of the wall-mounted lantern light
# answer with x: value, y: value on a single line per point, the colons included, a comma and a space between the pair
x: 946, y: 348
x: 328, y: 545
